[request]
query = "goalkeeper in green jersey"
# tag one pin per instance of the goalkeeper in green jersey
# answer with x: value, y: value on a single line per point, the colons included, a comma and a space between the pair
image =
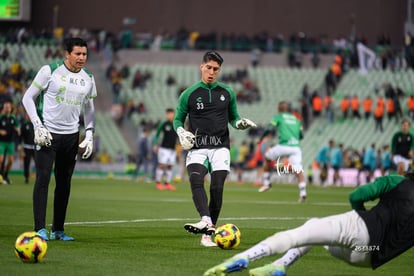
x: 211, y: 106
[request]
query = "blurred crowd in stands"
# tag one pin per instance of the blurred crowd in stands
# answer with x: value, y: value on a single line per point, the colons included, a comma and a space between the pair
x: 339, y: 156
x: 297, y: 43
x: 394, y: 104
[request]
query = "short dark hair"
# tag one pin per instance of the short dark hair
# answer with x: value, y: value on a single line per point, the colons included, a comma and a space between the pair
x: 212, y: 55
x: 283, y: 106
x: 405, y: 120
x: 74, y: 41
x: 169, y: 110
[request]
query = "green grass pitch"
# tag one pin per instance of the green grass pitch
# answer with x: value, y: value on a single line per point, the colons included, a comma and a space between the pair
x: 124, y: 227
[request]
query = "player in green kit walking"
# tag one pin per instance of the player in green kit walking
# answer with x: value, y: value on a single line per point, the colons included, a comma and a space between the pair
x: 289, y: 131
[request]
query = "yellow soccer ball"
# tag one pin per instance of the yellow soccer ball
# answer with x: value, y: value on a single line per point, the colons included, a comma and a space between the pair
x: 227, y: 236
x: 30, y: 247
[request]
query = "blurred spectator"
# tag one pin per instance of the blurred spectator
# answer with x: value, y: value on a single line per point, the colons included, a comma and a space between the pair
x: 410, y: 106
x: 340, y: 43
x: 355, y: 107
x: 58, y: 54
x: 328, y: 104
x: 336, y: 163
x: 397, y: 107
x: 256, y: 56
x: 20, y: 55
x: 369, y: 164
x: 143, y: 152
x: 315, y: 60
x: 330, y: 81
x: 111, y: 67
x: 378, y: 116
x: 345, y: 105
x: 356, y: 159
x: 336, y: 73
x: 367, y: 105
x: 138, y: 80
x: 116, y: 81
x: 298, y: 58
x: 141, y: 107
x: 117, y: 112
x: 306, y: 94
x: 317, y: 104
x: 104, y: 157
x: 120, y: 157
x: 385, y: 159
x: 5, y: 54
x: 294, y: 58
x: 305, y: 113
x: 390, y: 108
x: 125, y: 71
x: 323, y: 158
x: 170, y: 80
x: 48, y: 52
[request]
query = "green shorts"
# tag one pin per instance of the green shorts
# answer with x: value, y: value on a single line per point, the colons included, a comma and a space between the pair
x: 7, y: 148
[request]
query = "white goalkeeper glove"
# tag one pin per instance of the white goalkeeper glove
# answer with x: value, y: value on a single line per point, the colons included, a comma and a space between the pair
x: 187, y: 139
x: 245, y: 123
x: 87, y: 144
x: 42, y: 136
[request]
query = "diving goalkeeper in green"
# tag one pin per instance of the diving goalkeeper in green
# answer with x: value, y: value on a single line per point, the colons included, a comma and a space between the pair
x: 210, y: 106
x: 361, y: 237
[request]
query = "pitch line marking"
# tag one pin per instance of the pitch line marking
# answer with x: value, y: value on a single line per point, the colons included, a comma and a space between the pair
x: 179, y: 219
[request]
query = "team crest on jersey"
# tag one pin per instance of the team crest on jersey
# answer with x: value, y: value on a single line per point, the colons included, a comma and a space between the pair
x: 222, y: 98
x: 199, y: 103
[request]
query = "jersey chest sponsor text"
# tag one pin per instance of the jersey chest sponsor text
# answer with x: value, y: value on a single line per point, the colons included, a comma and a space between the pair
x: 70, y: 89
